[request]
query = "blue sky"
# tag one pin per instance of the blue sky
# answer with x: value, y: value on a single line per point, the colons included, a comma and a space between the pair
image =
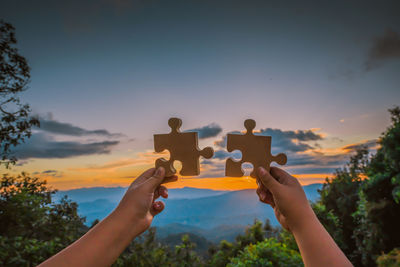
x: 127, y: 66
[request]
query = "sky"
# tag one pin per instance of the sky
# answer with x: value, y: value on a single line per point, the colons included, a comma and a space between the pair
x: 106, y: 75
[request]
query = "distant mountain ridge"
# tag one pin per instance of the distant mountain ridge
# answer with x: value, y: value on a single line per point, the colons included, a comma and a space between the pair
x: 202, y: 208
x: 114, y: 194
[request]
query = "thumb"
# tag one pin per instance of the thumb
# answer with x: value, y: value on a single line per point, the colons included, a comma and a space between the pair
x: 156, y: 179
x: 267, y: 180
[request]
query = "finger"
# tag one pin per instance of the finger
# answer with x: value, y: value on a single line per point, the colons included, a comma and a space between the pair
x: 144, y: 176
x: 269, y: 199
x: 162, y: 191
x: 157, y: 207
x: 268, y: 181
x: 281, y: 176
x: 155, y: 180
x: 261, y: 194
x: 170, y: 179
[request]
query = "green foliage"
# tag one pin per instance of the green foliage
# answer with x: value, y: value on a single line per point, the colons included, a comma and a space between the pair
x: 378, y: 211
x: 360, y: 206
x: 145, y: 251
x: 184, y: 253
x: 392, y: 259
x: 267, y: 253
x: 148, y: 251
x: 20, y: 251
x: 225, y: 251
x: 339, y: 197
x: 15, y: 122
x: 32, y: 226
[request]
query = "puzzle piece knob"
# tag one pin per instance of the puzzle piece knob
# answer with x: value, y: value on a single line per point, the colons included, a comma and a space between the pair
x: 281, y: 159
x: 249, y: 125
x: 175, y: 124
x: 207, y: 152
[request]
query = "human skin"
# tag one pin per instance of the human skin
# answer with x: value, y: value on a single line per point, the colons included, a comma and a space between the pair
x: 293, y: 211
x: 102, y: 245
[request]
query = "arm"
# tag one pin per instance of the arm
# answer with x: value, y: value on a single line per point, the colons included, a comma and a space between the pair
x: 286, y: 196
x: 102, y: 245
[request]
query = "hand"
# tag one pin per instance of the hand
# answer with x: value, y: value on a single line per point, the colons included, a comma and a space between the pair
x: 285, y: 195
x: 138, y: 204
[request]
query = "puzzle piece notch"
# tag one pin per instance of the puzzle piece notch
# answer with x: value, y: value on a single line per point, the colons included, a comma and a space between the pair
x: 183, y: 147
x: 255, y: 150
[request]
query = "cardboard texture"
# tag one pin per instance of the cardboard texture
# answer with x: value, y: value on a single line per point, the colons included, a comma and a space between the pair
x: 255, y: 150
x: 182, y: 147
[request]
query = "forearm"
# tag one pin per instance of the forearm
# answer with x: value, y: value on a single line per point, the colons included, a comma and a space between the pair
x: 316, y: 246
x: 101, y: 246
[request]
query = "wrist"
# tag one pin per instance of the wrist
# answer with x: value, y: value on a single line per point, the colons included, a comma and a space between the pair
x: 128, y: 223
x: 306, y: 220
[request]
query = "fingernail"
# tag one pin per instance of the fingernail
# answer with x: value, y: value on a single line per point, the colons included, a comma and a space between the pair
x: 263, y: 195
x: 261, y: 171
x: 156, y: 205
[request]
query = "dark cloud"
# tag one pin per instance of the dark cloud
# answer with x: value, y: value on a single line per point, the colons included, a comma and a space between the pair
x: 293, y: 144
x: 368, y: 144
x: 44, y: 146
x: 284, y: 141
x: 54, y: 173
x: 313, y: 170
x: 207, y: 131
x: 56, y: 127
x: 292, y: 141
x: 317, y: 159
x: 385, y: 47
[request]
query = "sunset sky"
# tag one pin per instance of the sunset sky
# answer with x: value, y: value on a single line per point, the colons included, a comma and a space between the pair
x: 106, y: 75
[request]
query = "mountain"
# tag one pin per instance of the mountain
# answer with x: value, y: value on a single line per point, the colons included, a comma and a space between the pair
x: 114, y: 194
x: 194, y: 208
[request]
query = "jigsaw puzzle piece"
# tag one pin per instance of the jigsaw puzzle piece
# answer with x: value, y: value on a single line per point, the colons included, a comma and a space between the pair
x: 182, y: 147
x: 255, y: 150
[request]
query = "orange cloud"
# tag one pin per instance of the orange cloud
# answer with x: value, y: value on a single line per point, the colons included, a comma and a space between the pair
x: 144, y: 158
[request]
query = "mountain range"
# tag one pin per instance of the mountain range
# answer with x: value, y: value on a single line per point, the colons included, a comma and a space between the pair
x: 213, y: 214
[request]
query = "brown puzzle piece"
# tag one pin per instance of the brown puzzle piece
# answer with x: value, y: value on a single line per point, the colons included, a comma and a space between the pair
x: 255, y: 150
x: 182, y: 147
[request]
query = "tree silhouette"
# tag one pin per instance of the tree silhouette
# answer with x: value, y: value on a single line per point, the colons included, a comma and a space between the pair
x: 15, y: 122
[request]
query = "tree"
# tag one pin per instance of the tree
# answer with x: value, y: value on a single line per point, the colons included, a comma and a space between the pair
x: 15, y: 123
x: 339, y: 200
x: 185, y: 254
x: 389, y: 260
x: 269, y: 252
x: 32, y: 226
x: 378, y: 212
x: 225, y: 251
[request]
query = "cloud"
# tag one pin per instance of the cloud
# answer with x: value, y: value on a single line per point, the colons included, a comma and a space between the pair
x: 56, y: 127
x: 293, y: 141
x: 52, y: 173
x: 384, y: 48
x: 109, y: 166
x: 317, y: 159
x: 41, y: 145
x: 305, y: 154
x: 207, y: 131
x: 143, y: 158
x: 222, y: 143
x: 370, y: 144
